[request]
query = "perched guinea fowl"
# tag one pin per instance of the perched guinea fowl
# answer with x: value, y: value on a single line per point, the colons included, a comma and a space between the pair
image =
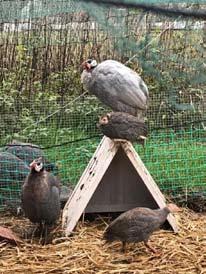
x: 119, y: 125
x: 41, y: 196
x: 136, y: 225
x: 27, y: 152
x: 116, y: 85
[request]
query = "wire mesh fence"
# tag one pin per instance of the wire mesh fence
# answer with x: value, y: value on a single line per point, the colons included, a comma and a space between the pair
x: 42, y: 101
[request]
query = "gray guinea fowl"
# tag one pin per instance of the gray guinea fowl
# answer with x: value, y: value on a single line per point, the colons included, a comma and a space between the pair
x: 117, y: 86
x: 136, y: 225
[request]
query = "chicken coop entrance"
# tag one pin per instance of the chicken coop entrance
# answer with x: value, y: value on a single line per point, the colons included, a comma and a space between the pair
x: 115, y: 180
x: 120, y: 189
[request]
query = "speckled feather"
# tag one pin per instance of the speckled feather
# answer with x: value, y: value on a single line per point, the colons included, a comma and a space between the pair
x: 117, y: 86
x: 41, y: 197
x: 123, y: 126
x: 136, y: 225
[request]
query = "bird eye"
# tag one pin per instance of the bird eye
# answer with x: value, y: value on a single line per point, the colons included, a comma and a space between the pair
x: 38, y: 164
x: 89, y: 61
x: 104, y: 119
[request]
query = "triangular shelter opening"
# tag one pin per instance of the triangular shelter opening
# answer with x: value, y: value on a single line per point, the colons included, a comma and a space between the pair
x: 120, y: 189
x: 115, y: 180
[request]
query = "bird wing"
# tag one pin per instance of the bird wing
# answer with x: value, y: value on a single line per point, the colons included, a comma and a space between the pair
x: 142, y: 214
x: 53, y: 180
x: 117, y: 118
x: 138, y: 220
x: 113, y: 78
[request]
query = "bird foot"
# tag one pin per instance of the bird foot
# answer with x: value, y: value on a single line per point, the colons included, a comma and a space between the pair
x: 151, y: 248
x: 123, y: 249
x: 158, y: 254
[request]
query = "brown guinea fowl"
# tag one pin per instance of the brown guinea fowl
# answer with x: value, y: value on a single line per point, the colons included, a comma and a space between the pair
x: 119, y: 125
x: 136, y: 225
x: 41, y: 196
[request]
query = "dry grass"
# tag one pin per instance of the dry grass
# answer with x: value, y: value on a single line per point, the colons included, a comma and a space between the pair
x: 85, y: 251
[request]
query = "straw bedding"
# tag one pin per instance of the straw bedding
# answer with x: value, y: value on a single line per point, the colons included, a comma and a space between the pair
x: 86, y: 252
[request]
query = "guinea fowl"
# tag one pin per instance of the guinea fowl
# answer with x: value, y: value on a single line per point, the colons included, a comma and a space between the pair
x: 27, y: 152
x: 136, y: 225
x: 116, y: 85
x: 41, y: 196
x: 119, y: 125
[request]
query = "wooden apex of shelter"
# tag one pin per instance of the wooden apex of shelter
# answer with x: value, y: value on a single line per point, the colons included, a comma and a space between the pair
x: 115, y: 180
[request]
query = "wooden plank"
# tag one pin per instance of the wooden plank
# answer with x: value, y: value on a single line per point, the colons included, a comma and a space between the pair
x: 148, y: 180
x: 88, y: 183
x: 93, y: 175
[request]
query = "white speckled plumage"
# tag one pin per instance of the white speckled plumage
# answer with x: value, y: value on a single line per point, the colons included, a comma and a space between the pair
x: 117, y: 86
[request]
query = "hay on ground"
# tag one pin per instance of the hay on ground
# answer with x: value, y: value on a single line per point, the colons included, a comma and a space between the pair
x: 86, y: 252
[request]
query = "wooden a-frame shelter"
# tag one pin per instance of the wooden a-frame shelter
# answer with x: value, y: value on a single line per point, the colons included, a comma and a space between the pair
x: 115, y: 180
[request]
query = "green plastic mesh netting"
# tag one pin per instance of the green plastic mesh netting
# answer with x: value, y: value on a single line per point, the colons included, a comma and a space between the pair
x: 42, y: 101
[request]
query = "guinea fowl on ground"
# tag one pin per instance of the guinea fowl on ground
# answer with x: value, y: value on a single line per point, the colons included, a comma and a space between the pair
x: 136, y: 225
x: 41, y: 196
x: 118, y: 125
x: 117, y: 86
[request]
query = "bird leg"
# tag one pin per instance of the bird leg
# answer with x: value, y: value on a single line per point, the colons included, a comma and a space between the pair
x: 41, y: 228
x: 30, y: 233
x: 150, y: 247
x: 45, y: 233
x: 40, y: 231
x: 123, y: 246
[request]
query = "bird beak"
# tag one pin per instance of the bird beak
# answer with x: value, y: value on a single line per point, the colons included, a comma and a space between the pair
x: 86, y: 66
